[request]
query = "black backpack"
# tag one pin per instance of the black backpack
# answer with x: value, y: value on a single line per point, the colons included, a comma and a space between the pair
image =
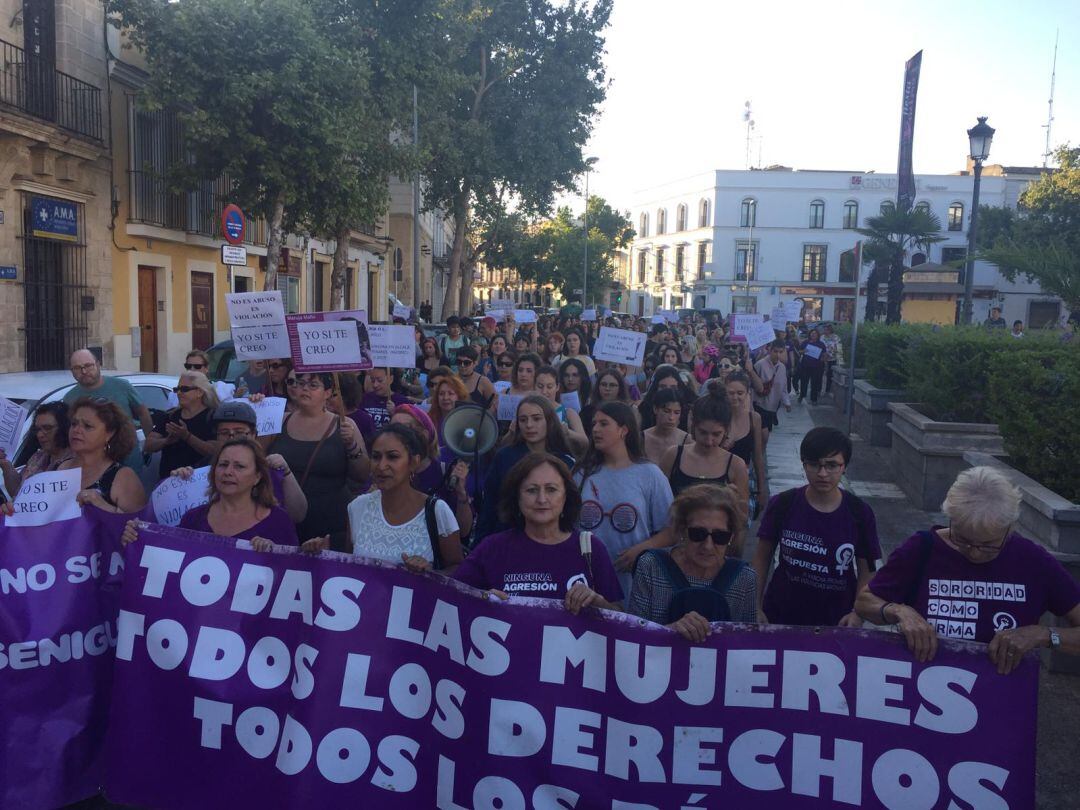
x: 709, y: 601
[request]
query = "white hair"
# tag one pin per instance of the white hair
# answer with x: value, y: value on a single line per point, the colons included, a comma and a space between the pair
x: 982, y: 503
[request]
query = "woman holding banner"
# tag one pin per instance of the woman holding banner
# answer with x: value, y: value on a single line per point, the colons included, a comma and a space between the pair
x: 396, y: 521
x: 694, y: 583
x: 541, y: 554
x: 535, y: 429
x: 101, y: 437
x: 185, y: 434
x: 326, y: 451
x: 50, y: 428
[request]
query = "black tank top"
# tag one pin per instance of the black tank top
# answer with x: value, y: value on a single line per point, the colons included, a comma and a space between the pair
x: 744, y: 447
x: 680, y: 480
x: 105, y: 482
x: 476, y: 395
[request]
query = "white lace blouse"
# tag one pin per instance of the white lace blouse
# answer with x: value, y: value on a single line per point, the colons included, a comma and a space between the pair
x: 372, y: 536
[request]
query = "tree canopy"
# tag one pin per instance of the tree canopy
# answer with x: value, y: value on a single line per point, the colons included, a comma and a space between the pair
x: 1040, y: 240
x: 889, y: 236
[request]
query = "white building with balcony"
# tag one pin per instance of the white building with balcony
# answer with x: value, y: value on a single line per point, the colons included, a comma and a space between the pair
x: 746, y: 241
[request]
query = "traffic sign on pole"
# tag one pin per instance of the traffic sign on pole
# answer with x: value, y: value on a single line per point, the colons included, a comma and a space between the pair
x: 233, y: 224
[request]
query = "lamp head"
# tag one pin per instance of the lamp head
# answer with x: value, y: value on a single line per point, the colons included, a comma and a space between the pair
x: 979, y: 138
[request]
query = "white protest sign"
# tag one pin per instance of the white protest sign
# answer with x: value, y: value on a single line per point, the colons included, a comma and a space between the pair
x: 588, y: 315
x: 508, y: 405
x: 620, y: 346
x: 225, y: 390
x: 658, y: 319
x: 813, y: 351
x: 175, y: 496
x: 743, y: 322
x: 502, y: 386
x: 500, y: 304
x: 498, y: 315
x: 524, y: 316
x: 571, y: 401
x: 668, y: 315
x: 46, y: 498
x: 257, y: 320
x: 793, y: 311
x: 760, y: 334
x: 331, y: 343
x: 12, y: 417
x: 778, y: 317
x: 269, y: 414
x: 392, y: 346
x: 403, y: 312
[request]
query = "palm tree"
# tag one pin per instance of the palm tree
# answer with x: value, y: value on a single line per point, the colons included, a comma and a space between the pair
x: 889, y: 236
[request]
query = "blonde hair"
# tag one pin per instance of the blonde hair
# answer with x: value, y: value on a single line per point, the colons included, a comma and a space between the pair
x: 200, y: 381
x: 982, y: 503
x: 710, y: 497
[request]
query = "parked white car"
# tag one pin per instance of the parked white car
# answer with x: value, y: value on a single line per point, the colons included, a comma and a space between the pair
x: 30, y: 388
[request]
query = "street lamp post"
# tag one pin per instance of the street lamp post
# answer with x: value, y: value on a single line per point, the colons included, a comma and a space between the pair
x: 589, y: 162
x: 979, y: 138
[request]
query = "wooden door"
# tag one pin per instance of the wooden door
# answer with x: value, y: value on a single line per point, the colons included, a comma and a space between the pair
x: 148, y: 320
x: 202, y: 311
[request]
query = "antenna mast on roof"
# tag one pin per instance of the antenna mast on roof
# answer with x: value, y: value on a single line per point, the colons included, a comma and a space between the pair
x: 747, y: 116
x: 1050, y: 114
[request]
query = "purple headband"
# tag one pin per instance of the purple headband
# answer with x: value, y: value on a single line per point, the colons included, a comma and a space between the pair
x: 419, y: 416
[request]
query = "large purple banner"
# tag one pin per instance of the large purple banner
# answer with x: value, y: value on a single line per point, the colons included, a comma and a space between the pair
x: 275, y: 680
x: 59, y: 586
x: 905, y: 169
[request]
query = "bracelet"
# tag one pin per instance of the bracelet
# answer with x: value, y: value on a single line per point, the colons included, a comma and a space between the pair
x: 884, y: 618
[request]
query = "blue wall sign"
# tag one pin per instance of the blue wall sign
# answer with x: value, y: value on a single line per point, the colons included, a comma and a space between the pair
x: 9, y: 272
x: 55, y: 219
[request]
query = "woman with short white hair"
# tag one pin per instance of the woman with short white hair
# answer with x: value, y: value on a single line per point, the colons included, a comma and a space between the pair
x: 185, y: 435
x: 975, y: 579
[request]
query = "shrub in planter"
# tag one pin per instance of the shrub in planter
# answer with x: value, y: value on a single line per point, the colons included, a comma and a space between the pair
x: 880, y: 351
x: 947, y: 369
x: 1033, y: 396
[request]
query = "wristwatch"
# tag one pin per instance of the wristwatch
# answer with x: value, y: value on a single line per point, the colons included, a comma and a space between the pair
x: 1055, y: 639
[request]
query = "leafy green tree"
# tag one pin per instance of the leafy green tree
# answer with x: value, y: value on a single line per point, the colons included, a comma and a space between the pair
x: 525, y: 78
x: 1041, y: 239
x: 889, y: 236
x: 265, y: 98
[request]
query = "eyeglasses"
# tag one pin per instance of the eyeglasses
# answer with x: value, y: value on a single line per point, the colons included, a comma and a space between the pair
x: 310, y: 384
x: 291, y: 382
x: 232, y: 433
x: 699, y: 534
x: 624, y: 516
x: 83, y: 367
x: 185, y: 389
x: 506, y: 365
x: 831, y: 467
x: 960, y: 540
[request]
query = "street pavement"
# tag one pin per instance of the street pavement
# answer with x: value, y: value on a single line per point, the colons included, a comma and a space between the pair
x: 870, y: 477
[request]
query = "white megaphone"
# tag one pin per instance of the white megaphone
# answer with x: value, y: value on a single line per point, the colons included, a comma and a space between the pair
x: 470, y: 431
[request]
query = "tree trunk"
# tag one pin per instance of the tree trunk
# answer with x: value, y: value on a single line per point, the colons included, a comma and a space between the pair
x: 453, y: 284
x: 273, y: 242
x: 468, y: 268
x: 337, y: 275
x: 896, y: 291
x: 873, y: 280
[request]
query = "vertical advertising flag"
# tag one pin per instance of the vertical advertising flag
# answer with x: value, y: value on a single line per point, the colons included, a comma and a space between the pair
x: 905, y: 188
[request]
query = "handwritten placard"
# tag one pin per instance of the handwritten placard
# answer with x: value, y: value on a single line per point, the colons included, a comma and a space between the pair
x: 778, y: 318
x: 812, y: 351
x: 329, y: 341
x: 402, y: 311
x: 571, y: 401
x: 620, y: 346
x: 502, y: 386
x: 524, y: 316
x: 269, y: 414
x: 175, y: 495
x: 500, y: 304
x: 793, y: 311
x: 742, y: 322
x: 392, y: 346
x: 46, y: 498
x: 12, y: 417
x: 508, y: 405
x: 668, y: 315
x: 257, y: 320
x: 760, y: 334
x: 588, y: 315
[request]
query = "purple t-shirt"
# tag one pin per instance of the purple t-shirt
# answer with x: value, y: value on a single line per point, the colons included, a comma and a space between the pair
x: 817, y: 577
x: 276, y: 527
x: 512, y: 562
x: 972, y: 601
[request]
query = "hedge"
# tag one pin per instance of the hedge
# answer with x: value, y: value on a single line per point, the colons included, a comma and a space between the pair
x: 1036, y: 403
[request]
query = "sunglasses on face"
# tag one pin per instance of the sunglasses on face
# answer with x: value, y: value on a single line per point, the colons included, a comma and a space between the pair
x: 506, y: 365
x: 83, y: 367
x: 194, y: 366
x: 699, y: 534
x: 465, y: 361
x: 312, y: 384
x: 184, y: 389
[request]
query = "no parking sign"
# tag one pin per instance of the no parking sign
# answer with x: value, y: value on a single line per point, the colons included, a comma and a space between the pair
x: 233, y: 224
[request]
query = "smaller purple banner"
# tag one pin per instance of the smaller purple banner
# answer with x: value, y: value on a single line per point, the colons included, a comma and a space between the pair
x: 59, y: 587
x: 905, y: 169
x: 282, y: 680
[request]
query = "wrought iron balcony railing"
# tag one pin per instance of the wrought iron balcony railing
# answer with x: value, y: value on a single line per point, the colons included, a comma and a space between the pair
x: 34, y: 87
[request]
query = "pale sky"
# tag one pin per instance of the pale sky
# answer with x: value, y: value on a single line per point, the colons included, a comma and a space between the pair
x: 825, y: 80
